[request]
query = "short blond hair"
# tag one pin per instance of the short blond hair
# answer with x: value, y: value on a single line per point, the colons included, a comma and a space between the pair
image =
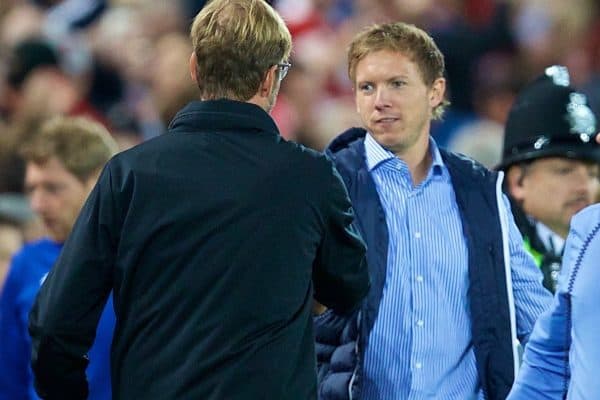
x: 407, y: 39
x: 235, y: 43
x: 80, y: 144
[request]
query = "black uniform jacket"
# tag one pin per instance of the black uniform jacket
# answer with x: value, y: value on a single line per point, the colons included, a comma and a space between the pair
x: 214, y: 238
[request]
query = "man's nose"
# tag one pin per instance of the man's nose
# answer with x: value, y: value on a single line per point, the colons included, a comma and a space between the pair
x: 37, y: 201
x: 382, y: 98
x: 584, y: 182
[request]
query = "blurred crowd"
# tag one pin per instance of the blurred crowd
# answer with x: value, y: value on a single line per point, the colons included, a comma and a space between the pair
x: 124, y: 63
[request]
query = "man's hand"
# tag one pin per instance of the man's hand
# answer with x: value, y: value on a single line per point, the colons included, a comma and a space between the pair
x: 319, y: 308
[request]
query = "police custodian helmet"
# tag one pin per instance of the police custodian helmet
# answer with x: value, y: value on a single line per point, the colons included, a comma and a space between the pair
x: 550, y: 119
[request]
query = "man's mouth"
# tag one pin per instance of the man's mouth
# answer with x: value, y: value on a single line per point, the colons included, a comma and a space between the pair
x: 578, y: 203
x: 386, y: 120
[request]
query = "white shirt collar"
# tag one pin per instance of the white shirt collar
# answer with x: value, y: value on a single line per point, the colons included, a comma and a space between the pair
x: 551, y: 240
x: 377, y: 154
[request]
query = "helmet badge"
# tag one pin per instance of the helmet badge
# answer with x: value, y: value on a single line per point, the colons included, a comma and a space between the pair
x: 559, y: 75
x: 580, y: 117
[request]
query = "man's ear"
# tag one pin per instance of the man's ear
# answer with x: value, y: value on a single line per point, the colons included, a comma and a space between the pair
x: 194, y: 67
x: 355, y: 93
x: 271, y: 78
x: 437, y: 91
x: 514, y: 181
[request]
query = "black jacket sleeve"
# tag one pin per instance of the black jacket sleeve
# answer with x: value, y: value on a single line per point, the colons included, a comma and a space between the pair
x: 65, y: 314
x: 340, y: 273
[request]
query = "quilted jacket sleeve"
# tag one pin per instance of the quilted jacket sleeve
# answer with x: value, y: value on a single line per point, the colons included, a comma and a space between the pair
x: 337, y: 354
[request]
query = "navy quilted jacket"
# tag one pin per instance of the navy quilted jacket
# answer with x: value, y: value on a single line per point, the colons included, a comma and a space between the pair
x: 341, y: 340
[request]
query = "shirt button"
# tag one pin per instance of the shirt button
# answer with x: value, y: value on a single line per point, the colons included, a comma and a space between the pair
x: 418, y: 365
x: 420, y: 322
x: 418, y: 235
x: 419, y: 278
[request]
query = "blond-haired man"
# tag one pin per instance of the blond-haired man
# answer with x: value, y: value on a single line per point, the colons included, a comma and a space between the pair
x: 63, y: 161
x: 214, y: 238
x: 452, y: 287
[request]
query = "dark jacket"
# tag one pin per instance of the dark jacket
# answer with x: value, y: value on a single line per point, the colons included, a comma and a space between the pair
x: 341, y: 340
x: 214, y: 237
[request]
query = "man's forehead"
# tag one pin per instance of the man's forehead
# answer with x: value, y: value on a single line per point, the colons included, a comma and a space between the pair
x: 51, y: 169
x: 563, y: 160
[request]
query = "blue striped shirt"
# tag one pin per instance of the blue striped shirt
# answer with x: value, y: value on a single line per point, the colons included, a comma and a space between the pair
x: 420, y: 346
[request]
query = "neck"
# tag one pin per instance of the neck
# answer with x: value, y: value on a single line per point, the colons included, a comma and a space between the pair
x: 551, y: 239
x: 559, y: 230
x: 260, y: 101
x: 418, y: 159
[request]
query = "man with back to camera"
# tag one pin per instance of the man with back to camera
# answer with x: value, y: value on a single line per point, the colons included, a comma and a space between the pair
x: 63, y: 161
x: 452, y: 287
x: 551, y: 163
x: 214, y: 237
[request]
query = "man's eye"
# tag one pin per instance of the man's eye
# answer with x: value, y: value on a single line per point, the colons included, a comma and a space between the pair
x: 365, y: 87
x: 397, y: 84
x: 564, y: 170
x: 53, y: 188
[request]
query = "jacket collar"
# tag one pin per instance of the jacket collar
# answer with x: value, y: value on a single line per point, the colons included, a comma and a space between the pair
x: 222, y: 115
x: 356, y: 138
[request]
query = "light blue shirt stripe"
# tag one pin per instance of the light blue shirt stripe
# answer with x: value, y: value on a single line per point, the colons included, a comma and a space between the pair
x: 420, y: 346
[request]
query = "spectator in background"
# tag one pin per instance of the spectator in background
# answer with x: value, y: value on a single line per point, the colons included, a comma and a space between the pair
x: 21, y: 20
x: 444, y: 253
x: 214, y: 238
x: 551, y: 163
x: 25, y: 57
x: 37, y: 85
x: 170, y: 82
x: 63, y: 161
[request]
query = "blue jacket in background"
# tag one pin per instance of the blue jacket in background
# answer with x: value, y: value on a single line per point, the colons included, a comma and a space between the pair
x: 341, y: 340
x: 562, y: 357
x: 28, y: 269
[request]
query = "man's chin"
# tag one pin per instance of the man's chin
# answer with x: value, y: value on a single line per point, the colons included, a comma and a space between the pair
x: 56, y: 236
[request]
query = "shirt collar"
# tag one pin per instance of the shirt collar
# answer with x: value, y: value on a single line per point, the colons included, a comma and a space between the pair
x: 376, y: 154
x: 551, y: 240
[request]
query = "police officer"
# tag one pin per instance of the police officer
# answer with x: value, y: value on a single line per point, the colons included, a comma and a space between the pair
x: 551, y: 161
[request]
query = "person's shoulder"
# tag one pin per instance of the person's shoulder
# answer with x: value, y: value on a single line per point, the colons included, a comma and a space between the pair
x: 346, y: 142
x: 32, y: 261
x: 124, y: 163
x: 139, y: 151
x: 36, y: 248
x: 317, y: 169
x: 582, y: 249
x: 347, y: 151
x: 464, y: 161
x: 587, y: 221
x: 460, y: 164
x: 305, y: 155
